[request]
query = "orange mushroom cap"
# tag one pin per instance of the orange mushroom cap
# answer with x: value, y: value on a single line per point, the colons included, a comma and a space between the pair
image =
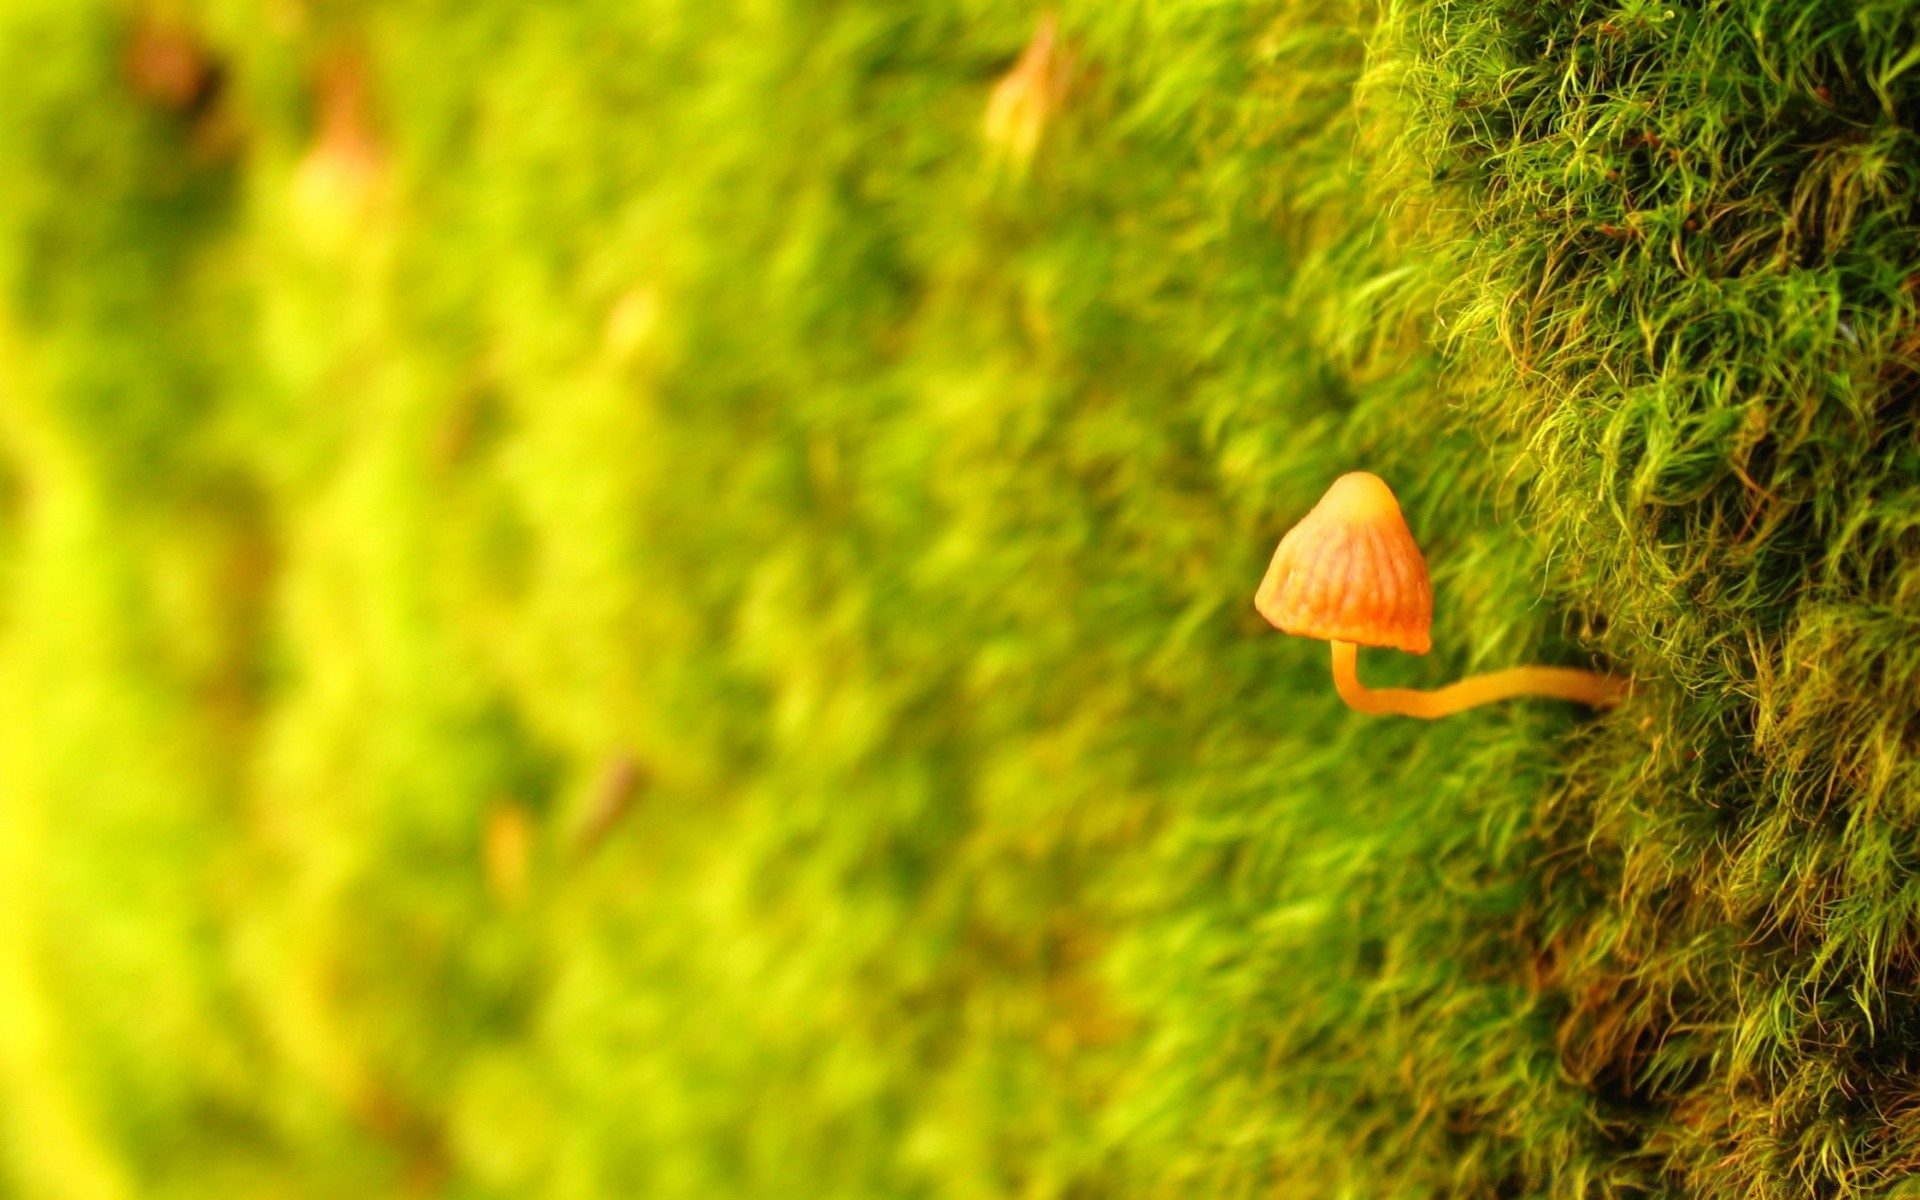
x: 1350, y: 571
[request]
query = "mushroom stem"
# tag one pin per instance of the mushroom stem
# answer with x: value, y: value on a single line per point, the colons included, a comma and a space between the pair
x: 1562, y: 683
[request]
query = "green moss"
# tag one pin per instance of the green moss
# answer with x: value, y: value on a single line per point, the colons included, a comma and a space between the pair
x: 604, y: 600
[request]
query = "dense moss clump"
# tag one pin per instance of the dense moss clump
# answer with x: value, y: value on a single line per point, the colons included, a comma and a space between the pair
x: 654, y: 599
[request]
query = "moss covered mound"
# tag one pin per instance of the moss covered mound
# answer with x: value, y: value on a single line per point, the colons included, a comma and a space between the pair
x: 654, y: 599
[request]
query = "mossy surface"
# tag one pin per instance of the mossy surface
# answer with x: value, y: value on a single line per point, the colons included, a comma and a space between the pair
x: 609, y: 600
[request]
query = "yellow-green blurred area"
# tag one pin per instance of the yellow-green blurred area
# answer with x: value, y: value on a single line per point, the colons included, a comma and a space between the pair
x: 652, y: 598
x: 597, y: 596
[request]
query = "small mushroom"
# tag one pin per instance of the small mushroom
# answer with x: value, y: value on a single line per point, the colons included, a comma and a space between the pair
x: 1350, y: 573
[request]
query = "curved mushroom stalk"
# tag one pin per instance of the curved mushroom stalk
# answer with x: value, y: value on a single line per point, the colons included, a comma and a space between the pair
x: 1560, y: 683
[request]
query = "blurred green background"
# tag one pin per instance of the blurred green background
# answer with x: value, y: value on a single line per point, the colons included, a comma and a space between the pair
x: 653, y: 599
